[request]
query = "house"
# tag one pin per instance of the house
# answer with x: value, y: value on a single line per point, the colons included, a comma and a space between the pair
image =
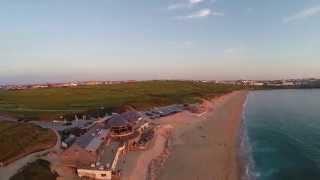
x: 106, y: 162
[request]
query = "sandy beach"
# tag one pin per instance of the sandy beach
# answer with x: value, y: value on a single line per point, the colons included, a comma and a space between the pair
x: 199, y: 146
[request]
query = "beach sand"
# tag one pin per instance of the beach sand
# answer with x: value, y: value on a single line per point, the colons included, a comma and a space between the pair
x: 207, y: 149
x: 198, y: 146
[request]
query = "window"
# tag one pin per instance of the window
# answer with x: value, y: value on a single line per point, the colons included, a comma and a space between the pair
x: 103, y: 175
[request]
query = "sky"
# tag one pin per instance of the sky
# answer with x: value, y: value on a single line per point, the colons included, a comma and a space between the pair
x: 68, y: 40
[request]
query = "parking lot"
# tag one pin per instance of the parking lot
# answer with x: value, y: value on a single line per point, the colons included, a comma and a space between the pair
x: 164, y: 111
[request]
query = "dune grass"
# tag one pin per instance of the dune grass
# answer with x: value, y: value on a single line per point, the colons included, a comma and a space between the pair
x: 54, y: 102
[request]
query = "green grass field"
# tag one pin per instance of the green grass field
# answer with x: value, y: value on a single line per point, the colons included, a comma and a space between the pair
x: 53, y: 102
x: 35, y: 171
x: 18, y: 139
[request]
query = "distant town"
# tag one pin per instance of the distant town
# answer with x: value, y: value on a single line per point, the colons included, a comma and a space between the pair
x: 285, y: 83
x: 59, y: 85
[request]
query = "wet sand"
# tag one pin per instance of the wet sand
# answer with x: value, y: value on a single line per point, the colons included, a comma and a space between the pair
x: 205, y: 147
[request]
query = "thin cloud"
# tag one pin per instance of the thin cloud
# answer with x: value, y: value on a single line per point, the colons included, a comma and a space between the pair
x: 303, y: 14
x: 217, y: 14
x: 239, y: 51
x: 230, y: 50
x: 187, y: 4
x: 249, y: 10
x: 195, y: 1
x: 178, y: 6
x: 188, y: 43
x: 200, y: 14
x: 181, y: 44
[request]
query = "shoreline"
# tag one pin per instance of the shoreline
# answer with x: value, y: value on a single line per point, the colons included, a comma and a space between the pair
x: 200, y: 146
x: 245, y: 158
x: 208, y: 147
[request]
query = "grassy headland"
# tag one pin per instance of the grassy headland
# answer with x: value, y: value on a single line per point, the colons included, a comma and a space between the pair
x: 53, y: 102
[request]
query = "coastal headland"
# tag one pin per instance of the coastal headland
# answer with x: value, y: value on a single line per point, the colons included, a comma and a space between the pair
x: 193, y: 137
x: 97, y: 100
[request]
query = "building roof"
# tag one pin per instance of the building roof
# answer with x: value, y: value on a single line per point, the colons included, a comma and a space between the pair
x: 132, y: 117
x: 84, y: 140
x: 107, y: 153
x: 118, y: 121
x: 70, y: 139
x: 123, y: 119
x: 95, y: 143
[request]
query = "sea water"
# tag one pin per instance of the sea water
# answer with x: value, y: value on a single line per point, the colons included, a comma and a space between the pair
x: 282, y: 134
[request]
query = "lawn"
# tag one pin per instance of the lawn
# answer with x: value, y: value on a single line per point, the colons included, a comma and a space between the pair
x: 54, y: 102
x: 19, y: 139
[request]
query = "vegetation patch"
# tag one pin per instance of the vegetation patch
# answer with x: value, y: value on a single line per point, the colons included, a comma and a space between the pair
x: 20, y: 139
x: 96, y: 100
x: 37, y: 170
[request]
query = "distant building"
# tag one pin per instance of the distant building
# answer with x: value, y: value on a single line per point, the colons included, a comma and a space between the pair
x: 92, y: 83
x: 258, y: 84
x: 287, y: 83
x: 39, y: 86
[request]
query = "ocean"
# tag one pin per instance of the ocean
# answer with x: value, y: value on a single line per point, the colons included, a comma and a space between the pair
x: 281, y: 135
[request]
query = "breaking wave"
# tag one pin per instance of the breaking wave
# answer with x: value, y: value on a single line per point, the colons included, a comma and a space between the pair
x: 247, y: 165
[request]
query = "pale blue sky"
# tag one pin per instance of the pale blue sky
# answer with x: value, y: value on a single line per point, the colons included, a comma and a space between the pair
x: 63, y: 40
